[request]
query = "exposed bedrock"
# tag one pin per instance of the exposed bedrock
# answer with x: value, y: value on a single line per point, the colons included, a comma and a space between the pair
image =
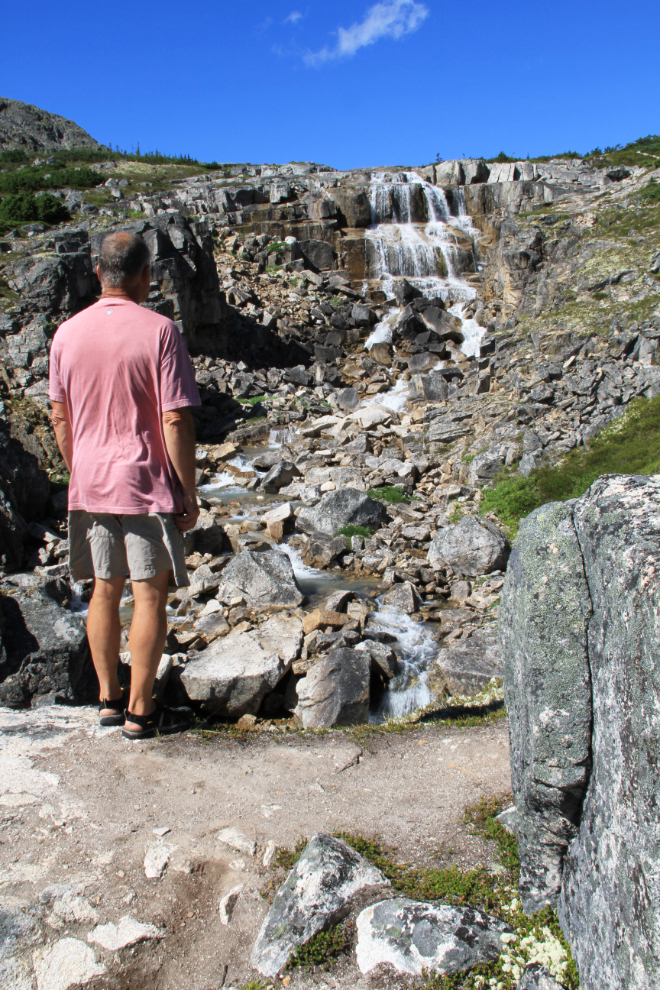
x: 579, y: 636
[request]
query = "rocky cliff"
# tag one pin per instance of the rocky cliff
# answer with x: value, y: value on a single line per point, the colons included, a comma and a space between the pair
x: 27, y: 128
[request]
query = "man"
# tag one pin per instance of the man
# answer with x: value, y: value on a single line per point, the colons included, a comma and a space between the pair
x: 121, y: 387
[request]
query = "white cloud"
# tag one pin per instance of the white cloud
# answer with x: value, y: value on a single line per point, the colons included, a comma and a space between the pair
x: 390, y: 19
x: 293, y: 17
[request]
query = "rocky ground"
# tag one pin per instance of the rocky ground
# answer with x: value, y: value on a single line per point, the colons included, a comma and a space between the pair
x: 351, y: 419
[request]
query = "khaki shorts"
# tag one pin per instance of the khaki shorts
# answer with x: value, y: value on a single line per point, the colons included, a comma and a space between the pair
x: 110, y: 546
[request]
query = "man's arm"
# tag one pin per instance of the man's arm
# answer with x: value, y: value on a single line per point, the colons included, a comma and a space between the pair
x: 59, y: 417
x: 179, y: 433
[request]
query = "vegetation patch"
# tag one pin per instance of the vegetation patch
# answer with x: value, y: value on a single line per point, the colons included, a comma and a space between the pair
x: 322, y: 949
x: 26, y: 208
x: 630, y: 445
x: 389, y: 493
x: 349, y: 531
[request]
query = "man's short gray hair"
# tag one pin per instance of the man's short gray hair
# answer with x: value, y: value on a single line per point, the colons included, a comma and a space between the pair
x: 122, y: 259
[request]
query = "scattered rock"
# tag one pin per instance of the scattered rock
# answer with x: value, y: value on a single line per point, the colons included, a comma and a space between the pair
x: 235, y: 839
x: 228, y: 903
x: 317, y: 893
x: 68, y: 963
x: 465, y: 668
x: 473, y: 546
x: 404, y: 597
x: 156, y: 857
x: 127, y: 932
x: 413, y: 937
x: 345, y: 507
x: 264, y: 578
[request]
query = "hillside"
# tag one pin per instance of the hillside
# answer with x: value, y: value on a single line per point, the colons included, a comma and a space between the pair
x: 28, y: 128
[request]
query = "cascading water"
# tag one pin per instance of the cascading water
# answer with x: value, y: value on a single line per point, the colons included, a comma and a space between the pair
x: 414, y: 236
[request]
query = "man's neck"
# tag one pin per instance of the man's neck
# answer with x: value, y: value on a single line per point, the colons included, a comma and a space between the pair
x: 111, y: 293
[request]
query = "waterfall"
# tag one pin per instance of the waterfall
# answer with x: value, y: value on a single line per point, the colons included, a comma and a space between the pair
x: 413, y: 235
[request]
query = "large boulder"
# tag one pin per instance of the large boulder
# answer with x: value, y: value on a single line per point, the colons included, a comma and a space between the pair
x: 44, y: 655
x: 335, y: 691
x: 412, y: 937
x: 472, y: 547
x: 233, y: 675
x: 279, y: 476
x: 318, y: 892
x: 465, y: 668
x: 579, y: 633
x: 344, y: 507
x: 264, y: 578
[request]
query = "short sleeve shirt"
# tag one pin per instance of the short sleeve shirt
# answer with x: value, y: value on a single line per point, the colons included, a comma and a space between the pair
x: 118, y: 367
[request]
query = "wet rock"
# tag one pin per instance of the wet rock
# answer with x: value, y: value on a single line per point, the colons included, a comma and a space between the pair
x: 279, y: 476
x: 318, y: 892
x: 345, y: 507
x: 537, y: 977
x: 322, y: 551
x: 404, y: 597
x: 381, y: 353
x: 473, y: 546
x: 278, y: 521
x: 412, y: 936
x: 466, y: 668
x: 335, y: 691
x: 44, y: 649
x: 264, y: 578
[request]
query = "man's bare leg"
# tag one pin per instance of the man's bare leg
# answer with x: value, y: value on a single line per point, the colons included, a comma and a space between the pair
x: 146, y: 642
x: 104, y: 635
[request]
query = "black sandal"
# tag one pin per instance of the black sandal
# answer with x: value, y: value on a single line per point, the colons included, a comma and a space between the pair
x: 163, y: 721
x: 118, y: 707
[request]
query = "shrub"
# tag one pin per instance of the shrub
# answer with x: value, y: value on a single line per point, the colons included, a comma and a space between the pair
x: 389, y: 493
x: 354, y: 531
x: 23, y: 208
x: 652, y: 191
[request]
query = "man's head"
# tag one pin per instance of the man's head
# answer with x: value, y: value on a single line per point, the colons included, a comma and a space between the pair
x: 123, y: 267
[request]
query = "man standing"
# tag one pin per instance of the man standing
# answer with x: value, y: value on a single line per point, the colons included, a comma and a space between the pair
x: 121, y: 387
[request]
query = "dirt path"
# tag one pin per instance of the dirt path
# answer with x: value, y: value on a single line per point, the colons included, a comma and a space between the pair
x: 79, y: 806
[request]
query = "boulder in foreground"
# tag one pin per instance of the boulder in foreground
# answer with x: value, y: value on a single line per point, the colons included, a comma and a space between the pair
x: 412, y: 937
x: 335, y: 691
x: 318, y: 892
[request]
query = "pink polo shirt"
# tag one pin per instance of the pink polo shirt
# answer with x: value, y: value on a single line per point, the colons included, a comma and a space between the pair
x: 118, y: 367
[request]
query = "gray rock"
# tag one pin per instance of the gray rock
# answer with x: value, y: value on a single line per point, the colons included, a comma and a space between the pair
x: 473, y: 546
x: 279, y: 476
x: 537, y: 977
x: 344, y: 507
x: 486, y: 465
x: 318, y: 892
x: 433, y: 387
x: 544, y: 613
x: 335, y: 691
x: 412, y: 937
x: 383, y: 659
x: 609, y: 907
x: 264, y: 578
x: 465, y: 668
x: 348, y: 398
x: 233, y: 674
x: 44, y: 653
x: 30, y: 129
x: 322, y: 551
x: 404, y: 597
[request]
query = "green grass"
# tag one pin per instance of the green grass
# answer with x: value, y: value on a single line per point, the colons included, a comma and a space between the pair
x: 349, y: 531
x: 254, y: 401
x: 630, y: 445
x: 492, y: 891
x: 389, y: 493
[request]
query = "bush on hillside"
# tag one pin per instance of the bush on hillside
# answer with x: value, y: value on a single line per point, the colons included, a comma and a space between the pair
x: 25, y: 208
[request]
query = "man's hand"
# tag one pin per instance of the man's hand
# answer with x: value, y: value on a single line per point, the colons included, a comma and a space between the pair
x: 190, y: 514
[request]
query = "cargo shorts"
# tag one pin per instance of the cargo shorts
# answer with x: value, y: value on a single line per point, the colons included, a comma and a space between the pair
x: 140, y: 546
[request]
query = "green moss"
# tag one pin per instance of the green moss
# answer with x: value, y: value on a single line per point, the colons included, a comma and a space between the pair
x: 287, y: 858
x: 321, y: 951
x: 630, y: 445
x: 349, y: 531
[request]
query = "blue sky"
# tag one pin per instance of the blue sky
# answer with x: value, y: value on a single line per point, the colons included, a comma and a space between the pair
x: 348, y: 84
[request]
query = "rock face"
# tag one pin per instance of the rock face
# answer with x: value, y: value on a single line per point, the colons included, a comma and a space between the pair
x: 579, y: 635
x: 318, y: 892
x: 44, y: 655
x: 412, y: 937
x: 471, y: 546
x: 335, y: 691
x: 264, y: 578
x: 24, y: 491
x: 345, y: 507
x: 23, y: 126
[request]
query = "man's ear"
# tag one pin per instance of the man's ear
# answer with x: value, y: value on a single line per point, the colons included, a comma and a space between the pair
x: 98, y: 272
